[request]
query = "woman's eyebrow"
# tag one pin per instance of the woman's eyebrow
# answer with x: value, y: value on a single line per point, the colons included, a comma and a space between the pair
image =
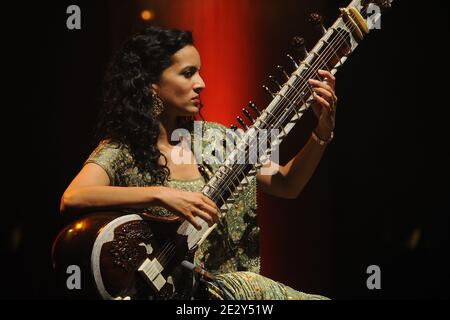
x: 190, y: 67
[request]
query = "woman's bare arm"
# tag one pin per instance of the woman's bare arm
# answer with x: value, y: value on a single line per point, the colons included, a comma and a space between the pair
x: 290, y: 179
x: 90, y: 190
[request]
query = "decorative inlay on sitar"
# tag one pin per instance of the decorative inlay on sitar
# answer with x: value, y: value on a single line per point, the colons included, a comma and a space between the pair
x: 129, y: 256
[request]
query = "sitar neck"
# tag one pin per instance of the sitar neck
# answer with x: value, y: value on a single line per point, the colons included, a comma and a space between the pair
x: 287, y: 106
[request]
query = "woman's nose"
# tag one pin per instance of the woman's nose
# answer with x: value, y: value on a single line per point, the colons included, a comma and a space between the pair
x: 199, y: 84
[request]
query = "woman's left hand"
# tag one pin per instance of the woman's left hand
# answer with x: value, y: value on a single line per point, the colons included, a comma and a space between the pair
x: 325, y: 106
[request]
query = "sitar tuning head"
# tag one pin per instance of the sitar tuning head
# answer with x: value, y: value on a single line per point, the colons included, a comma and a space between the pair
x: 268, y: 91
x: 248, y: 115
x: 293, y: 61
x: 281, y: 69
x: 317, y: 21
x: 242, y: 123
x: 298, y: 43
x: 253, y: 106
x: 315, y: 18
x: 275, y: 81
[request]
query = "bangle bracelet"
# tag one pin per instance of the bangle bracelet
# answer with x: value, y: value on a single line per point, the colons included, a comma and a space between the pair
x: 320, y: 141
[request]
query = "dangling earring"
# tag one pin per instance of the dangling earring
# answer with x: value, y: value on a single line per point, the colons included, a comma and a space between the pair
x: 157, y: 106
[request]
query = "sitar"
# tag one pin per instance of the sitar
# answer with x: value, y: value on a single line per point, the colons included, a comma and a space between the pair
x: 128, y: 255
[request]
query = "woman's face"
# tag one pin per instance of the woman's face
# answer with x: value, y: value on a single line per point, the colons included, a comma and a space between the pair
x: 181, y: 84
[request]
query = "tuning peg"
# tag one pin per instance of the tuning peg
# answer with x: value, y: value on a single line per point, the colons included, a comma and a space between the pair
x: 317, y: 21
x: 292, y: 60
x: 252, y: 105
x: 299, y: 45
x: 281, y: 69
x: 268, y: 91
x: 385, y: 3
x: 248, y: 115
x: 242, y: 123
x: 274, y: 80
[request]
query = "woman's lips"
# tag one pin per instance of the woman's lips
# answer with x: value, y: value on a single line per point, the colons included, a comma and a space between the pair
x: 196, y: 101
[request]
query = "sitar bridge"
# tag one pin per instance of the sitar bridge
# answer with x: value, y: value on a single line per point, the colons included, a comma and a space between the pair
x: 151, y: 271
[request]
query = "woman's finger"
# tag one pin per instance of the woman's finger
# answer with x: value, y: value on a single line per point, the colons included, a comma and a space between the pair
x: 325, y: 94
x: 212, y: 211
x: 323, y: 102
x: 199, y: 213
x: 209, y: 201
x: 329, y: 77
x: 191, y: 218
x: 321, y: 84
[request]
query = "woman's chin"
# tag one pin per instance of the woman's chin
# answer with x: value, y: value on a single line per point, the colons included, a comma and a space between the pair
x: 189, y: 111
x: 192, y: 111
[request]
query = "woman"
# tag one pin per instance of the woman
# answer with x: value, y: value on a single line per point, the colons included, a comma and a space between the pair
x: 152, y: 88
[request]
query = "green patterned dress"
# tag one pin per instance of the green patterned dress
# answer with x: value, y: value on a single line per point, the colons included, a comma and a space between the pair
x: 231, y: 251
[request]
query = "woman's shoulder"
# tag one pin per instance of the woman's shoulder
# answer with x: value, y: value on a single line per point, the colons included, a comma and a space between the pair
x: 110, y: 149
x: 113, y: 156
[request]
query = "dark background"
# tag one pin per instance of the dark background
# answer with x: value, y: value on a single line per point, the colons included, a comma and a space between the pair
x: 382, y: 181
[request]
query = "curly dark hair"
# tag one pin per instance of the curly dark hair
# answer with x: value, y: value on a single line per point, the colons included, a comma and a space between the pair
x: 126, y: 115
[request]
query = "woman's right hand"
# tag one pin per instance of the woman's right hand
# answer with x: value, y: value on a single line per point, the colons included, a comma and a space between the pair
x: 189, y: 205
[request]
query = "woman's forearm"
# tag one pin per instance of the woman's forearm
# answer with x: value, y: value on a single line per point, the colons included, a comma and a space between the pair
x: 289, y: 180
x: 91, y: 198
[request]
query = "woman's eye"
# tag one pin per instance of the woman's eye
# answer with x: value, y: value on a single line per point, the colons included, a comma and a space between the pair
x: 188, y: 73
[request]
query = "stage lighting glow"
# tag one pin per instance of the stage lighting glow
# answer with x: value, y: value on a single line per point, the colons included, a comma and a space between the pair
x: 147, y: 15
x: 79, y: 226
